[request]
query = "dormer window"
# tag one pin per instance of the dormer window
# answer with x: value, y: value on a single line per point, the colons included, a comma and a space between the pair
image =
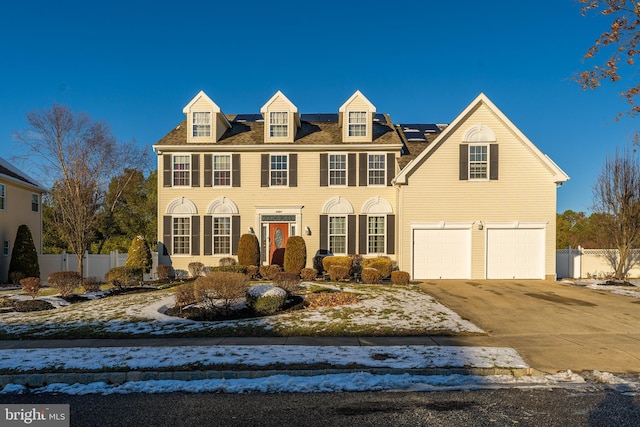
x: 201, y: 124
x: 278, y: 124
x: 357, y: 123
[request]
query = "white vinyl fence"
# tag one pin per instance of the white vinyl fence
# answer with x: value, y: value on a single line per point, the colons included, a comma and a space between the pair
x: 583, y: 263
x: 94, y: 265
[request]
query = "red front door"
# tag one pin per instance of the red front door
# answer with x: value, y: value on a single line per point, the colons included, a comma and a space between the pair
x: 278, y: 235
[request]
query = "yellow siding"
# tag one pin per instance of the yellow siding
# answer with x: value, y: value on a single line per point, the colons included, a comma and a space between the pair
x: 524, y: 192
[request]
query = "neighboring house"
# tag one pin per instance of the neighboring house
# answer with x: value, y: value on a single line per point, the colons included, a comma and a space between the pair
x: 441, y: 203
x: 20, y: 203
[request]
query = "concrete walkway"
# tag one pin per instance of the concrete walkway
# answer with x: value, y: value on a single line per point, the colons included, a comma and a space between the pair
x: 554, y: 326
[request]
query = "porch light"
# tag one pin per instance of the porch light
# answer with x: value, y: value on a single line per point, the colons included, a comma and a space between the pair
x: 480, y: 225
x: 307, y: 230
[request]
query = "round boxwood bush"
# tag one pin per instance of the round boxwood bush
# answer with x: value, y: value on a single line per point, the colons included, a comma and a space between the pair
x: 382, y: 264
x: 266, y: 300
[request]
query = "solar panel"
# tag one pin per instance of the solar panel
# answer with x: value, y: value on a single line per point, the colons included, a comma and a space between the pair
x: 247, y: 117
x: 319, y: 117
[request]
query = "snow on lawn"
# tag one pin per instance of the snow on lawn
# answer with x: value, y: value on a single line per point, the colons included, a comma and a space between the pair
x: 629, y: 291
x: 341, y: 383
x: 383, y: 309
x: 134, y: 358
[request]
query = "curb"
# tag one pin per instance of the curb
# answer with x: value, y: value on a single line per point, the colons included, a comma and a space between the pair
x: 116, y: 378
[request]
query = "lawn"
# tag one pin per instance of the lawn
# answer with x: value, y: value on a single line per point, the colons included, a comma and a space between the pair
x: 382, y: 310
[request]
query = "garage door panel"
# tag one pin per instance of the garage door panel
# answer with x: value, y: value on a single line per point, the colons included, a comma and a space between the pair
x: 515, y: 253
x: 442, y: 254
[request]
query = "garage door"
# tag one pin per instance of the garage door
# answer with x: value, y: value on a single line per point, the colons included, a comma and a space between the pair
x: 515, y: 253
x: 442, y: 254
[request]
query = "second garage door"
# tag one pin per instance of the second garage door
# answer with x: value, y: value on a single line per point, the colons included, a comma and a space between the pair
x: 442, y: 254
x: 515, y: 253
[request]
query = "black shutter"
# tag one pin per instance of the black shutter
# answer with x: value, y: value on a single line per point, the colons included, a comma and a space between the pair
x: 324, y: 169
x: 195, y: 170
x: 324, y: 232
x: 208, y: 171
x: 264, y: 170
x: 195, y: 235
x: 351, y: 169
x: 364, y: 165
x: 464, y: 162
x: 493, y: 161
x: 352, y: 237
x: 235, y: 234
x: 235, y: 170
x: 166, y: 233
x: 391, y: 234
x: 166, y: 170
x: 391, y: 168
x: 208, y: 235
x: 362, y: 232
x: 293, y: 170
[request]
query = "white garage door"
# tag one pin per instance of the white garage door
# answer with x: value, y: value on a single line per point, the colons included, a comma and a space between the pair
x: 515, y: 253
x: 442, y: 254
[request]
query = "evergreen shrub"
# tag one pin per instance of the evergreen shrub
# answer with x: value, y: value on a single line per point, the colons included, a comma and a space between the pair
x: 295, y: 255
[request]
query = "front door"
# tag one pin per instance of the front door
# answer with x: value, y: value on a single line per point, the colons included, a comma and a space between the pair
x: 278, y: 235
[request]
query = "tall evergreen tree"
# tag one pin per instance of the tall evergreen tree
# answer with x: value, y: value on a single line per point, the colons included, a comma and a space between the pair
x: 24, y: 257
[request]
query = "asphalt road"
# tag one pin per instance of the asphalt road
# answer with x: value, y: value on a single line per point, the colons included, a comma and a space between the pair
x: 523, y: 407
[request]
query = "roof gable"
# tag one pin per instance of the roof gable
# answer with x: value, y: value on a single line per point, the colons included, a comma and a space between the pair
x: 357, y: 96
x: 479, y: 132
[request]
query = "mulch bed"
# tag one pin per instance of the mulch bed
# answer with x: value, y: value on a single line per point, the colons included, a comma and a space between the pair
x: 295, y: 302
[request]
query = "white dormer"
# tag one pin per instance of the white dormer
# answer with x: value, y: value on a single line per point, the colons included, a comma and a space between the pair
x: 356, y: 118
x: 205, y: 120
x: 281, y: 119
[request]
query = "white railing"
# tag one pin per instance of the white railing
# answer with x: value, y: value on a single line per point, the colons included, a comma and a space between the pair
x: 597, y: 263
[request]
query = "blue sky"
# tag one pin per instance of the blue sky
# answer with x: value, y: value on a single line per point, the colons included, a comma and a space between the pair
x: 136, y: 64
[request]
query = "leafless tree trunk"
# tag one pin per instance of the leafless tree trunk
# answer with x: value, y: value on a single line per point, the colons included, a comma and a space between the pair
x: 616, y: 195
x: 80, y: 156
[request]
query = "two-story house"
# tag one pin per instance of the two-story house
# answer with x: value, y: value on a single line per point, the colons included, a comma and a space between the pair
x: 20, y: 203
x: 351, y: 182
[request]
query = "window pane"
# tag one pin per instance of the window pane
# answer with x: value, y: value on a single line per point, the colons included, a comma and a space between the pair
x: 375, y: 234
x: 201, y: 124
x: 278, y: 124
x: 376, y: 169
x: 279, y: 170
x: 2, y: 197
x: 338, y: 234
x: 222, y: 235
x: 337, y: 169
x: 478, y: 162
x: 222, y: 170
x: 181, y: 236
x: 357, y: 123
x: 181, y: 167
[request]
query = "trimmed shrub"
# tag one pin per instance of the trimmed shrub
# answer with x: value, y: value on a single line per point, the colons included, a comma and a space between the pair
x: 124, y: 277
x: 248, y: 250
x: 227, y: 261
x: 400, y: 278
x: 195, y: 269
x: 228, y: 269
x: 65, y: 282
x: 229, y: 288
x: 382, y: 264
x: 309, y: 274
x: 287, y: 280
x: 266, y: 300
x: 185, y: 294
x: 24, y: 257
x: 139, y: 254
x: 338, y: 272
x: 371, y: 276
x: 268, y: 272
x: 165, y: 273
x: 295, y: 255
x: 91, y: 284
x: 31, y: 286
x: 356, y: 265
x: 340, y: 261
x: 252, y: 271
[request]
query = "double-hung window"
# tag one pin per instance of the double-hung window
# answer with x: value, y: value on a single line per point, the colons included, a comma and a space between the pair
x: 279, y: 170
x: 279, y: 124
x: 222, y: 235
x: 338, y: 234
x: 376, y: 169
x: 357, y: 123
x: 3, y: 198
x: 375, y: 234
x: 5, y: 248
x: 222, y: 170
x: 201, y: 124
x: 35, y: 202
x: 181, y: 235
x: 478, y: 162
x: 181, y: 169
x: 337, y: 169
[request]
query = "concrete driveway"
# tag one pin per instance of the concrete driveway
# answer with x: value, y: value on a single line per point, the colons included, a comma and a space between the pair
x: 554, y: 326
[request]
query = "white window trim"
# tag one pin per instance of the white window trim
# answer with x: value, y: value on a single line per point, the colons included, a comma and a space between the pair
x: 346, y: 234
x: 6, y: 248
x: 346, y: 170
x: 173, y: 236
x: 213, y: 170
x: 357, y: 123
x: 384, y: 170
x: 193, y: 124
x: 214, y: 235
x: 271, y: 185
x: 3, y: 196
x: 384, y: 234
x: 37, y: 202
x: 173, y: 170
x: 485, y: 178
x: 285, y: 125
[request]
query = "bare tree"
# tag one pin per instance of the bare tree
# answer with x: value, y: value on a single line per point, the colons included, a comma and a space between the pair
x: 80, y: 156
x: 616, y: 195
